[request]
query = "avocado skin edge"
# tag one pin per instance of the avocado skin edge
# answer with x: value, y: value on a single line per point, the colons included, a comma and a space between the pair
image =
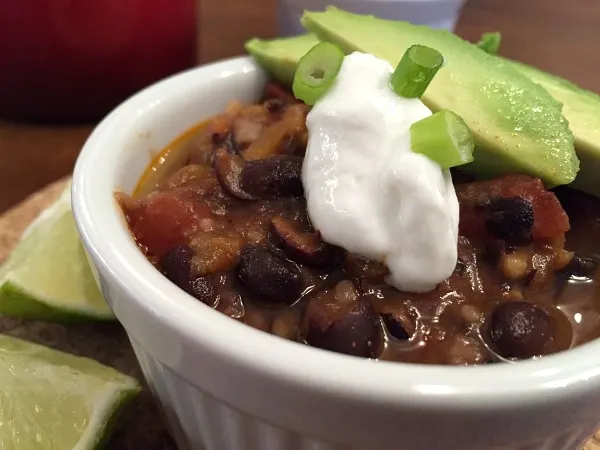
x: 492, y: 159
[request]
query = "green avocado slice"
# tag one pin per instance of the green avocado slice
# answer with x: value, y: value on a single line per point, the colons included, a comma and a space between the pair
x: 517, y: 125
x: 533, y: 139
x: 582, y: 110
x: 280, y: 56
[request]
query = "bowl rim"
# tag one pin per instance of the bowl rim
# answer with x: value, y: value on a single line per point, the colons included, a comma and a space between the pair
x: 575, y: 371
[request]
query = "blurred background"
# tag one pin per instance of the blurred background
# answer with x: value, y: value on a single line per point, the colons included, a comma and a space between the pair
x: 65, y: 63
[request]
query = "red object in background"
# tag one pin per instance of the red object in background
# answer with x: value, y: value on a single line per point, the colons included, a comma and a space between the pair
x: 74, y: 60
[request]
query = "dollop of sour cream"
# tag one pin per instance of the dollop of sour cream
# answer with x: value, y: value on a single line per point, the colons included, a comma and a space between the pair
x: 366, y: 190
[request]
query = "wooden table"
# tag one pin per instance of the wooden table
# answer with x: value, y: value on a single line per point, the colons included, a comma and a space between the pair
x: 557, y: 35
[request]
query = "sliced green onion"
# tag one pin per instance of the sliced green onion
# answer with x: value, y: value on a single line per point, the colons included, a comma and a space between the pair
x: 415, y: 71
x: 443, y: 137
x: 316, y: 72
x: 490, y: 42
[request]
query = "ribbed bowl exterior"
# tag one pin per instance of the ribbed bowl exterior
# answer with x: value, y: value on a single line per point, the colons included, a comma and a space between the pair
x: 198, y: 421
x: 225, y: 386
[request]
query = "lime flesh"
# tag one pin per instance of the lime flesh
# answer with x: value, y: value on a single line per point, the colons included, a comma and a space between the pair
x: 52, y: 400
x: 47, y: 276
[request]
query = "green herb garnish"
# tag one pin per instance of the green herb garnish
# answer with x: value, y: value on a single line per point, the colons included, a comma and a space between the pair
x: 316, y: 72
x: 490, y: 42
x: 415, y: 71
x: 444, y: 137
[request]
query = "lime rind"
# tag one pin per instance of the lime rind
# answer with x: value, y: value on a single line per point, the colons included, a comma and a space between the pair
x: 48, y: 276
x: 16, y: 302
x: 106, y: 416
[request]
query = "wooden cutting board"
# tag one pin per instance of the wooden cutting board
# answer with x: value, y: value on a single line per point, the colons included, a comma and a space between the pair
x: 141, y: 428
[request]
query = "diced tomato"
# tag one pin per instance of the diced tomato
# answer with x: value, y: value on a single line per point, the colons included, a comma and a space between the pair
x: 164, y: 219
x: 550, y: 220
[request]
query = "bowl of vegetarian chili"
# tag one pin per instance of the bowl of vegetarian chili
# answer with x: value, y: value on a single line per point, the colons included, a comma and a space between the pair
x: 256, y: 331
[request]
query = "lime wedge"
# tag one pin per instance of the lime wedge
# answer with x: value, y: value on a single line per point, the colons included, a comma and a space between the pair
x: 53, y: 400
x: 47, y: 276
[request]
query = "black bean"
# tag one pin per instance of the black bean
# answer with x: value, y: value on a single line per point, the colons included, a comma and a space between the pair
x: 176, y: 265
x: 269, y: 276
x: 277, y: 176
x: 510, y: 219
x: 303, y: 247
x: 353, y: 330
x: 581, y: 266
x: 395, y: 326
x: 519, y: 329
x: 229, y: 169
x: 203, y: 289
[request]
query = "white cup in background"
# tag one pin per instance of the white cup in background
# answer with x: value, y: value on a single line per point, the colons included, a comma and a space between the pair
x: 434, y: 13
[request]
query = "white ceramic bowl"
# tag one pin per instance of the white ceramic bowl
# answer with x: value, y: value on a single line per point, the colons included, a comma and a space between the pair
x: 224, y: 385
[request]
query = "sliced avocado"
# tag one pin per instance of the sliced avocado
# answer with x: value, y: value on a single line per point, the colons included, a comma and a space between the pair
x: 582, y: 110
x: 280, y: 56
x: 580, y: 107
x: 517, y: 125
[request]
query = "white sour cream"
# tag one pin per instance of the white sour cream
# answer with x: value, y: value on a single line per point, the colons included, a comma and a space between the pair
x: 367, y: 191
